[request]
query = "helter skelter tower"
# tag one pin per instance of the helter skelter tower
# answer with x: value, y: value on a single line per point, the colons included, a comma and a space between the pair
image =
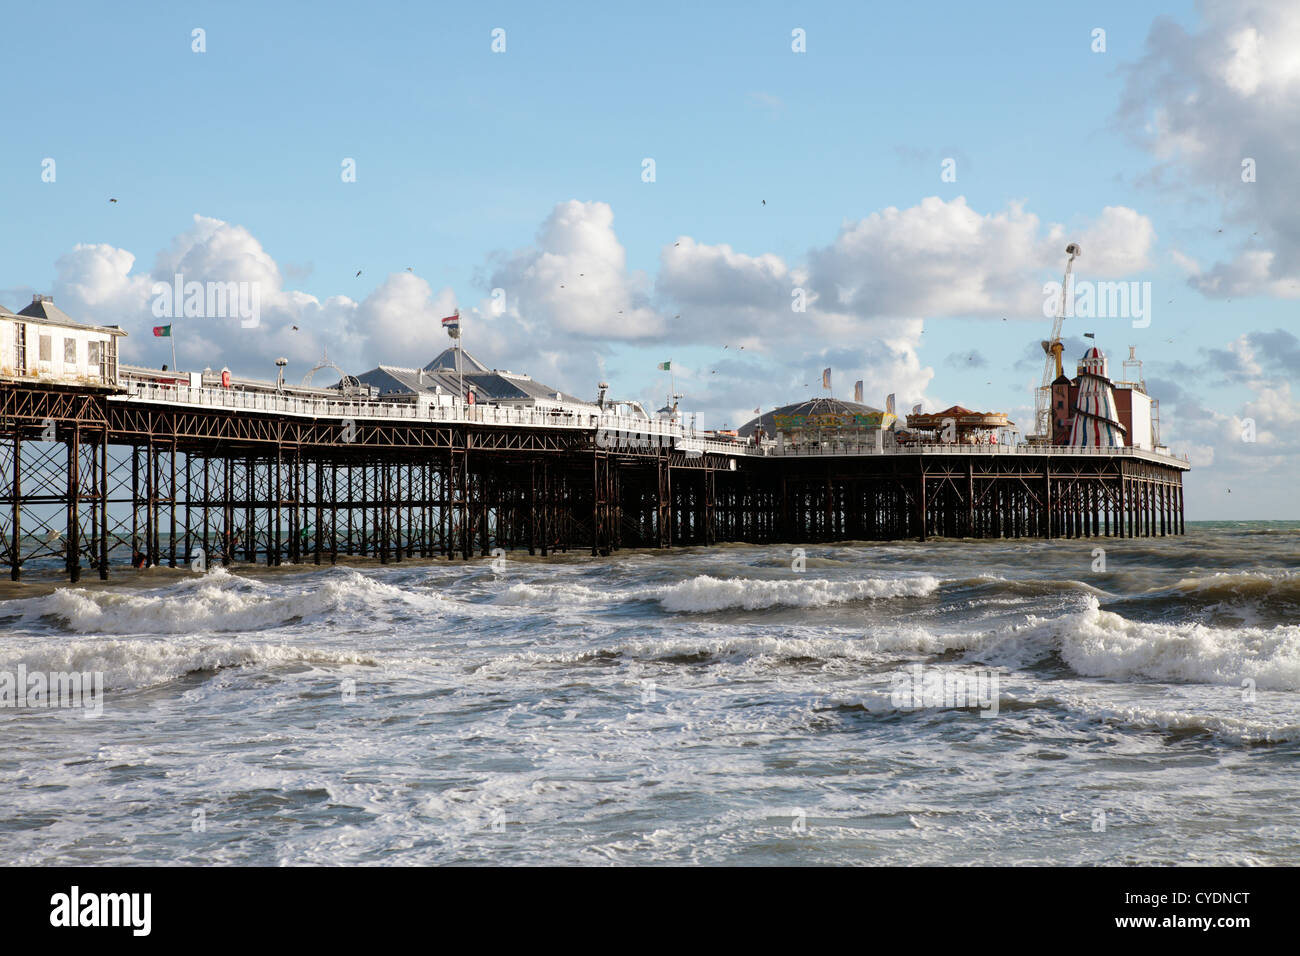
x: 1096, y: 421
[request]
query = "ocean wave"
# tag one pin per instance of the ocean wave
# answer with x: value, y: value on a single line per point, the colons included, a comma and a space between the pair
x: 218, y: 602
x: 704, y: 593
x: 141, y: 663
x: 568, y: 593
x: 1022, y: 587
x: 876, y: 648
x: 1237, y: 730
x: 1254, y: 586
x: 1097, y: 643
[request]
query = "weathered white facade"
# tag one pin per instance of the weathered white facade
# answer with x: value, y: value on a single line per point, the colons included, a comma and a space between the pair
x: 1140, y: 432
x: 43, y: 344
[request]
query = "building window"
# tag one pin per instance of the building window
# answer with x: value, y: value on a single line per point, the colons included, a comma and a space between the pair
x: 69, y: 351
x: 20, y: 347
x: 95, y: 359
x: 47, y: 348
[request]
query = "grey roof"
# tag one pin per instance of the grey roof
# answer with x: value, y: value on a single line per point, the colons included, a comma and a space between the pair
x: 812, y: 406
x: 394, y: 380
x: 499, y: 386
x: 488, y: 386
x: 42, y: 309
x: 447, y: 360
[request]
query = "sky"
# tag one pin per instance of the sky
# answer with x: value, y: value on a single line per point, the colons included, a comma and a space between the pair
x: 751, y: 191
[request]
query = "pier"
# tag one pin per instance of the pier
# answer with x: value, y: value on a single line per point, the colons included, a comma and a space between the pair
x: 137, y: 473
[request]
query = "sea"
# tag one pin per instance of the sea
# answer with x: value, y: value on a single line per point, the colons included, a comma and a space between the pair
x: 995, y: 702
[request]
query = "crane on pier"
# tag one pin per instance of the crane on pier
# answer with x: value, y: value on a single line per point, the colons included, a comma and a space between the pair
x: 1053, y: 349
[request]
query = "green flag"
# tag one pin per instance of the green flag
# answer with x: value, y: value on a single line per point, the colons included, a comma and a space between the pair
x: 665, y: 366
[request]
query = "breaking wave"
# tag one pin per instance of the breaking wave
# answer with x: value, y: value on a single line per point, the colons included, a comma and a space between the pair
x: 219, y: 602
x: 136, y: 664
x: 1097, y: 643
x: 1238, y: 730
x: 706, y: 593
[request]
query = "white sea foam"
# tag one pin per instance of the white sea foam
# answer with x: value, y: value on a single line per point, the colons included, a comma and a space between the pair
x: 147, y: 662
x: 219, y: 602
x: 1099, y: 643
x: 1266, y: 728
x: 706, y: 593
x: 568, y: 593
x: 723, y: 646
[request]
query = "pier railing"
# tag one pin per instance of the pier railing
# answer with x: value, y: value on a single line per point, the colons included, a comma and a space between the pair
x: 615, y: 427
x: 836, y: 449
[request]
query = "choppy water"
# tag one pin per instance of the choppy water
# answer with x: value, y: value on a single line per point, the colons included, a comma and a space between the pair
x: 708, y: 706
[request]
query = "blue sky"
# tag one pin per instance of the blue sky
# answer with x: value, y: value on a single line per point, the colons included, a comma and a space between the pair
x: 466, y: 159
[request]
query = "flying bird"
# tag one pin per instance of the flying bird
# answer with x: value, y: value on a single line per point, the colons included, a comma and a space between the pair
x: 112, y: 200
x: 409, y: 269
x: 764, y: 202
x: 358, y: 272
x: 295, y: 328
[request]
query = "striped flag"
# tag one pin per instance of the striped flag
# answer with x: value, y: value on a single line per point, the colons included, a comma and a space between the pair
x: 857, y: 391
x: 826, y: 378
x: 452, y: 324
x: 162, y: 331
x: 889, y: 403
x: 664, y: 366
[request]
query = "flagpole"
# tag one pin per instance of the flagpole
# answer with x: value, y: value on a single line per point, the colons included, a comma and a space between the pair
x: 171, y: 334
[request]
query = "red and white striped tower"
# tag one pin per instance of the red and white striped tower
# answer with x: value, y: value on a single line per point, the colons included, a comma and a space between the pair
x: 1096, y: 421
